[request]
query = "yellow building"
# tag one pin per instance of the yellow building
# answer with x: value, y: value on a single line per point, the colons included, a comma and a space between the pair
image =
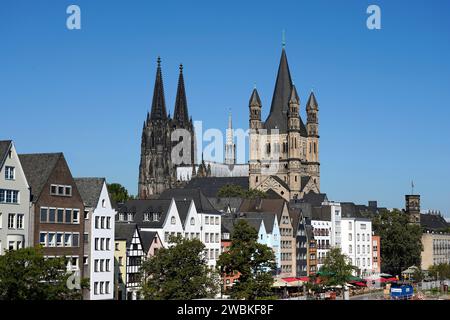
x: 120, y: 258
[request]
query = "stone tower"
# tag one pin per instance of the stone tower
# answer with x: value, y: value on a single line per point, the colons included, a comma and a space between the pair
x: 157, y: 169
x: 284, y: 153
x: 412, y: 208
x: 230, y: 147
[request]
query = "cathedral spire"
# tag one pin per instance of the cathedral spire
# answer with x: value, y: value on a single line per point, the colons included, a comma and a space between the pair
x: 312, y: 102
x: 181, y: 115
x: 280, y: 101
x: 158, y: 104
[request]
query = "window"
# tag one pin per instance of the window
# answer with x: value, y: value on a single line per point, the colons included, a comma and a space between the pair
x: 206, y: 237
x: 107, y: 243
x: 108, y: 223
x: 107, y: 268
x: 117, y: 246
x: 51, y: 239
x: 43, y: 238
x: 95, y: 287
x: 363, y: 237
x: 1, y: 225
x: 211, y: 237
x: 76, y: 215
x: 173, y: 220
x: 120, y: 261
x: 206, y: 219
x: 102, y: 243
x: 9, y: 196
x: 217, y: 238
x: 51, y: 215
x: 349, y: 237
x: 59, y: 239
x: 75, y: 239
x: 86, y: 214
x: 146, y: 216
x: 350, y: 249
x: 68, y: 216
x: 192, y: 221
x: 363, y: 226
x: 67, y: 239
x: 357, y: 237
x: 85, y: 260
x: 11, y: 220
x: 217, y: 221
x: 103, y: 203
x: 60, y: 216
x: 121, y: 216
x: 156, y: 216
x: 130, y: 217
x: 9, y: 173
x: 97, y: 219
x: 68, y: 191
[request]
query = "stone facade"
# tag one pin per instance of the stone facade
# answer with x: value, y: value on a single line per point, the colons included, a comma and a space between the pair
x: 283, y: 146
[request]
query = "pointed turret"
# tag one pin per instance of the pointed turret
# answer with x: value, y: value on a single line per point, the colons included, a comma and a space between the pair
x: 158, y: 104
x: 254, y: 105
x: 181, y: 114
x: 312, y: 103
x: 255, y: 101
x: 294, y: 99
x: 277, y: 118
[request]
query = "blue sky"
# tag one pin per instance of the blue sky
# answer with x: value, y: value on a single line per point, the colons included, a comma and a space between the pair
x: 383, y: 94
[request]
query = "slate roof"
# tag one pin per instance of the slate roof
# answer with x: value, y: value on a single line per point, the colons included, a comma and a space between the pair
x: 183, y: 209
x: 210, y: 186
x: 277, y: 118
x: 90, y: 190
x: 304, y: 181
x: 321, y: 213
x: 124, y: 231
x: 433, y: 222
x: 263, y: 205
x: 202, y: 203
x: 139, y: 207
x: 5, y: 145
x: 314, y: 199
x: 181, y: 115
x: 147, y: 238
x: 221, y: 204
x: 281, y: 181
x: 37, y: 168
x: 267, y: 217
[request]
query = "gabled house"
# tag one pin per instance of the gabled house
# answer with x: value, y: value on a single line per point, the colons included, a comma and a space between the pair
x: 151, y: 243
x: 14, y: 201
x: 208, y: 223
x: 128, y: 255
x: 56, y: 208
x: 279, y: 207
x: 98, y: 237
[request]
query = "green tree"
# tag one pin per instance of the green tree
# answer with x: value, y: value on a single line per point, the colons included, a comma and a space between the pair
x: 118, y: 193
x: 26, y: 275
x: 179, y: 272
x: 254, y: 262
x: 232, y: 191
x: 401, y: 241
x: 440, y: 271
x: 336, y: 269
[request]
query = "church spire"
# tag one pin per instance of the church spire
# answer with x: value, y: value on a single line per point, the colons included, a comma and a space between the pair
x: 181, y: 115
x: 158, y: 104
x: 280, y: 101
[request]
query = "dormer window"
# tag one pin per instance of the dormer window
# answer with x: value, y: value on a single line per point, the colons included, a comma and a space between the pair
x: 146, y: 216
x: 130, y: 217
x: 121, y: 216
x: 156, y: 216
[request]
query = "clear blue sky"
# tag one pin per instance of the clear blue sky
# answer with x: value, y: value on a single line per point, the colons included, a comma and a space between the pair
x: 384, y: 95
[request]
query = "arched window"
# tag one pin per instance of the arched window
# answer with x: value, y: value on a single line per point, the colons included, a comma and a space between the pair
x: 172, y: 220
x: 192, y: 221
x: 315, y: 148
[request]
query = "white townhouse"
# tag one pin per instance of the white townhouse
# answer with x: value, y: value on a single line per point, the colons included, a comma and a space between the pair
x: 326, y: 224
x: 14, y: 201
x: 357, y: 243
x: 209, y: 220
x: 99, y: 216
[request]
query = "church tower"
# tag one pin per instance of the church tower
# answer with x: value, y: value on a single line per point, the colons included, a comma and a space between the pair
x: 312, y: 126
x: 155, y: 169
x: 161, y: 152
x: 230, y: 147
x: 281, y: 142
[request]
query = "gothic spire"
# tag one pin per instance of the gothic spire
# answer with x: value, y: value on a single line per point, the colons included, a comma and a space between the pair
x: 158, y: 104
x: 312, y: 102
x: 280, y: 101
x: 254, y: 99
x: 294, y: 99
x: 181, y: 115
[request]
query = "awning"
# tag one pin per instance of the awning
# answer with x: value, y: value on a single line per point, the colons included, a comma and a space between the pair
x: 359, y: 284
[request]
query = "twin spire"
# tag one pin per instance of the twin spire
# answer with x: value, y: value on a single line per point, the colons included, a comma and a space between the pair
x: 158, y: 111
